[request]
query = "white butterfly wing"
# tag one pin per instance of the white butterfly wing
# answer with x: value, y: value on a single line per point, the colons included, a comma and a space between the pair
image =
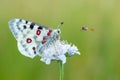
x: 28, y: 36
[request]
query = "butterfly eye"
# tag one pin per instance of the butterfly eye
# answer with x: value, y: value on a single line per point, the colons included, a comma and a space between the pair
x: 58, y: 31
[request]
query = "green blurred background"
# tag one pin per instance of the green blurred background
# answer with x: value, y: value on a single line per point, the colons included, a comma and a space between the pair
x: 100, y: 49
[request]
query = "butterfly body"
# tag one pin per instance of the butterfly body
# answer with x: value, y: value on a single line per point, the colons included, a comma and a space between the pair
x: 32, y: 39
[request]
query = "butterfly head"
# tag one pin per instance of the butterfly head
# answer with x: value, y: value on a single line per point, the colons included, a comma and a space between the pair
x: 56, y: 33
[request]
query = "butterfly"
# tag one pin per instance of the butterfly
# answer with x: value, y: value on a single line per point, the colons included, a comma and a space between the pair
x: 32, y: 38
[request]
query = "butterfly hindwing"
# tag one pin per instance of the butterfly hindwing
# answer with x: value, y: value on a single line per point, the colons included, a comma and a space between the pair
x: 28, y: 36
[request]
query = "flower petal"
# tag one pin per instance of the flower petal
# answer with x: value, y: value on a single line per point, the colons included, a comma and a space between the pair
x: 57, y: 51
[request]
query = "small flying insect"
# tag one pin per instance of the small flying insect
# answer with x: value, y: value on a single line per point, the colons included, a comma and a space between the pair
x: 84, y: 28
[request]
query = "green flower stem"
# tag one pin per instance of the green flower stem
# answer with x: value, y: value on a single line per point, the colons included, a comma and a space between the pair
x: 61, y: 70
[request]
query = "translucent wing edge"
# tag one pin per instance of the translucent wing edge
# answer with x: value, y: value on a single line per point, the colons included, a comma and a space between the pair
x: 23, y: 52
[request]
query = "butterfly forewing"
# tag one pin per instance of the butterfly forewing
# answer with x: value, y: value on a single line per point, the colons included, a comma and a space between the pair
x: 28, y: 35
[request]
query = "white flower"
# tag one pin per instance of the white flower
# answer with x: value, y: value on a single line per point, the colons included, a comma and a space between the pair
x: 73, y: 50
x: 58, y: 51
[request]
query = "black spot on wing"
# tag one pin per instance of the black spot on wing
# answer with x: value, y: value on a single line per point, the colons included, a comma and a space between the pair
x: 40, y: 27
x: 34, y: 52
x: 32, y: 25
x: 24, y: 26
x: 26, y: 21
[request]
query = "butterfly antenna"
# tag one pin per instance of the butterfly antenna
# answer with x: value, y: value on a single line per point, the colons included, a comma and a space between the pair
x: 61, y: 23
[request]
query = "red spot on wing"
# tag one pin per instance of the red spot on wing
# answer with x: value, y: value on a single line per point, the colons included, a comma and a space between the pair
x: 49, y: 32
x: 33, y: 48
x: 38, y: 32
x: 44, y: 41
x: 28, y: 40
